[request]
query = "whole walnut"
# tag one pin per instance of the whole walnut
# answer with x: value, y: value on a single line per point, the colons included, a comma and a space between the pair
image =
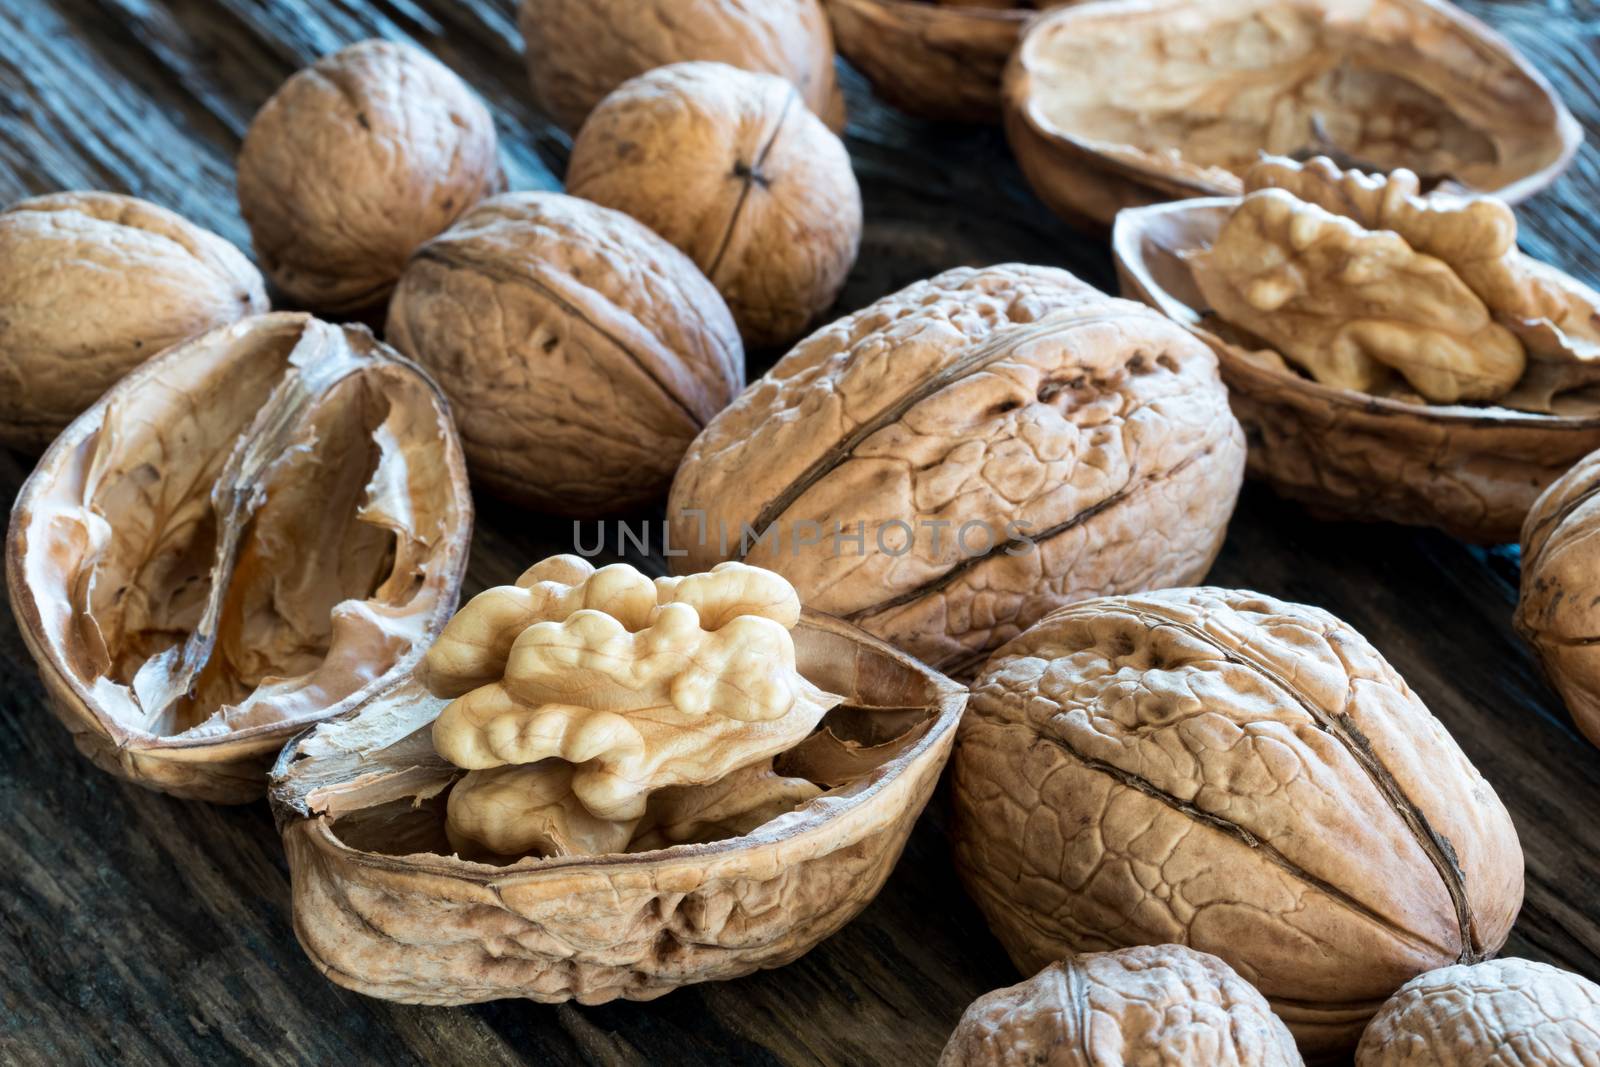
x: 92, y: 284
x: 1501, y: 1013
x: 948, y: 465
x: 1154, y: 1006
x: 1237, y: 774
x: 1556, y: 609
x: 580, y: 50
x: 729, y: 167
x: 353, y: 163
x: 581, y: 352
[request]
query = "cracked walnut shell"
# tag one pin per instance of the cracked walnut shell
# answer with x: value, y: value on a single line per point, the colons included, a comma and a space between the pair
x: 91, y: 285
x: 1473, y: 471
x: 382, y: 904
x: 731, y: 168
x: 1237, y: 774
x: 580, y: 50
x: 582, y: 353
x: 999, y: 442
x: 354, y: 162
x: 1500, y: 1013
x: 1120, y: 104
x: 1154, y: 1006
x: 255, y: 530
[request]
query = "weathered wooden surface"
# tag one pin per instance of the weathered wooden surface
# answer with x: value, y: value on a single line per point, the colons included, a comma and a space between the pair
x: 139, y: 929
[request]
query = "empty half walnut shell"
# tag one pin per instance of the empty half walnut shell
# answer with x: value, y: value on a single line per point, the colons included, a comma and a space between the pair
x: 1471, y: 470
x: 1112, y: 105
x: 259, y: 528
x: 933, y: 60
x: 384, y: 906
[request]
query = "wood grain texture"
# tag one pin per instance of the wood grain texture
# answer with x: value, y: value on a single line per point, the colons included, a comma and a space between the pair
x: 144, y: 930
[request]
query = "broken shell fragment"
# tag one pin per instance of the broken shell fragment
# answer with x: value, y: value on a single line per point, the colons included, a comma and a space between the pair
x: 257, y: 529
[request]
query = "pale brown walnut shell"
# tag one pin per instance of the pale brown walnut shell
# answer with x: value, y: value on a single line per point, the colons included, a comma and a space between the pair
x: 91, y: 285
x: 580, y: 50
x: 1244, y: 776
x: 1472, y: 471
x: 1151, y: 1006
x: 1132, y: 102
x: 255, y: 530
x: 1071, y: 443
x: 581, y: 351
x: 731, y: 168
x: 933, y: 60
x: 1502, y: 1013
x: 382, y: 906
x: 354, y: 162
x: 1556, y: 609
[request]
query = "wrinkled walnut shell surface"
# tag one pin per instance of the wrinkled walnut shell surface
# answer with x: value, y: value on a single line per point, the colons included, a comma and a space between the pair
x: 257, y: 529
x: 1121, y: 104
x: 92, y: 284
x: 1556, y: 610
x: 730, y: 167
x: 1472, y: 471
x: 1000, y: 396
x: 1150, y: 1006
x: 1234, y: 773
x: 383, y: 908
x: 580, y: 50
x: 933, y: 60
x: 582, y: 352
x: 353, y: 163
x: 1500, y: 1013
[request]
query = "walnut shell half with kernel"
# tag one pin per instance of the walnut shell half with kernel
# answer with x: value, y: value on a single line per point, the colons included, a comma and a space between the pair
x: 1471, y: 470
x: 384, y: 906
x: 257, y: 529
x: 1132, y: 102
